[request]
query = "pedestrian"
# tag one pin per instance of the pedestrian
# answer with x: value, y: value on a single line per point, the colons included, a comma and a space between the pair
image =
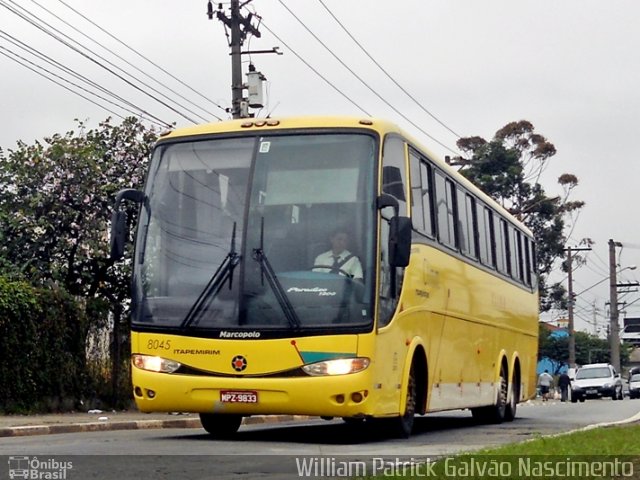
x: 544, y: 382
x: 564, y: 381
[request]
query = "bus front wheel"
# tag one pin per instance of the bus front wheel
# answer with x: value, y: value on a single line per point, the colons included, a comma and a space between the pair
x: 402, y: 425
x: 219, y: 425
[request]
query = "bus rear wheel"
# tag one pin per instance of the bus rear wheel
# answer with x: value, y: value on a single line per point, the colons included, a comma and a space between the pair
x: 510, y: 412
x: 219, y: 425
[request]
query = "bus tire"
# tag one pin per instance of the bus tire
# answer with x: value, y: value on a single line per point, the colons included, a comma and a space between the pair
x: 494, y: 413
x: 512, y: 405
x: 402, y: 425
x: 220, y: 425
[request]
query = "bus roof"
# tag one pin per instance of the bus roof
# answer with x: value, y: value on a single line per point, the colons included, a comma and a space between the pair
x: 381, y: 126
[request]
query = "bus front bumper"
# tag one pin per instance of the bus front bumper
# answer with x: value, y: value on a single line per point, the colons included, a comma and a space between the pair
x: 339, y: 395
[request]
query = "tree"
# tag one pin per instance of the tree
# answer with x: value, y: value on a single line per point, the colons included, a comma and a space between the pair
x: 508, y: 168
x: 589, y: 348
x: 56, y: 199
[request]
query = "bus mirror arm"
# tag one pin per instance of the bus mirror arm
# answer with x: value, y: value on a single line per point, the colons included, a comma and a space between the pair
x: 385, y: 200
x: 119, y: 222
x: 399, y: 232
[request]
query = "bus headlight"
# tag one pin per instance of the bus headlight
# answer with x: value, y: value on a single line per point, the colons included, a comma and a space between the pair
x: 341, y: 366
x: 154, y: 364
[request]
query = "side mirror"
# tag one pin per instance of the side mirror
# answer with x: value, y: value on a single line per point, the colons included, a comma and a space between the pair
x: 118, y: 234
x: 399, y: 241
x: 119, y: 221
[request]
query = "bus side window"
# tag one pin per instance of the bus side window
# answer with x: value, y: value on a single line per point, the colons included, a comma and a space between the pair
x: 417, y: 207
x: 393, y: 175
x: 444, y: 210
x: 487, y: 255
x: 534, y: 266
x: 393, y: 182
x: 501, y: 257
x: 421, y: 203
x: 467, y: 224
x: 508, y: 247
x: 519, y: 256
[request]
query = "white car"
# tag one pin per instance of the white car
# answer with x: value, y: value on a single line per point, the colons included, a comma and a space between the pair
x: 634, y: 386
x: 596, y: 380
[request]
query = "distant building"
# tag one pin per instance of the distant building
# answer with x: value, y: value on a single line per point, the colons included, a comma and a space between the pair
x: 546, y: 363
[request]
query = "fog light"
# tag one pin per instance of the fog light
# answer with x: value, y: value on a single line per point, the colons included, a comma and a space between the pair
x: 137, y: 391
x: 340, y: 398
x: 356, y: 397
x: 151, y: 393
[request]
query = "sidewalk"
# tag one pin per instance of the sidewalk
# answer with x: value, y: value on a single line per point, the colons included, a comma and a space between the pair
x: 24, y: 425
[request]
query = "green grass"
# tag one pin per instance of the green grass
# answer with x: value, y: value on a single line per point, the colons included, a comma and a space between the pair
x: 591, y: 454
x: 615, y: 440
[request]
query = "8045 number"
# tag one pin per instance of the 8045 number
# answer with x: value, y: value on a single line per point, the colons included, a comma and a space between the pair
x: 155, y: 344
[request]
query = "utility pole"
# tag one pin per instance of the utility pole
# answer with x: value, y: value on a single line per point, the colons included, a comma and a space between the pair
x: 614, y: 311
x: 240, y: 26
x: 236, y: 63
x: 614, y: 327
x: 572, y: 335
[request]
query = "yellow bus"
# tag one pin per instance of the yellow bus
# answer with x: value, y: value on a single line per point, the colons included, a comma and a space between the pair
x: 232, y: 316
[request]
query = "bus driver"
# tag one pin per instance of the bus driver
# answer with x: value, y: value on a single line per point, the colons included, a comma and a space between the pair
x: 339, y: 259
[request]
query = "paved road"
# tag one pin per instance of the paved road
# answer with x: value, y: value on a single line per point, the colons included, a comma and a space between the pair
x: 263, y: 450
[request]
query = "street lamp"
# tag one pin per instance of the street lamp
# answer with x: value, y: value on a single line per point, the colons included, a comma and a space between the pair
x: 630, y: 267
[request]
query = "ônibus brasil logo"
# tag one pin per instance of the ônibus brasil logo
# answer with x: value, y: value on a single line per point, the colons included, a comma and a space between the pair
x: 28, y: 467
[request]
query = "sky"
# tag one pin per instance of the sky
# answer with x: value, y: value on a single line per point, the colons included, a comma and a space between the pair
x: 571, y: 68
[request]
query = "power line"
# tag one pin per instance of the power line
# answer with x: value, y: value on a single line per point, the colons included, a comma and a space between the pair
x: 88, y: 57
x: 43, y: 57
x: 108, y: 62
x: 364, y: 82
x: 424, y: 109
x: 54, y: 81
x: 36, y: 53
x: 148, y: 60
x: 127, y: 62
x: 316, y: 71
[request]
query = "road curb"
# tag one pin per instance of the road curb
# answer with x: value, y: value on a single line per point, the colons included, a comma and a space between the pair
x: 29, y: 430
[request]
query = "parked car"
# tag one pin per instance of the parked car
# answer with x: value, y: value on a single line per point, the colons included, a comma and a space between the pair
x: 596, y: 380
x: 634, y: 385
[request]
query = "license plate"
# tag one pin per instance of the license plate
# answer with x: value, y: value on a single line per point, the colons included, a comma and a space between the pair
x: 592, y: 392
x: 238, y: 396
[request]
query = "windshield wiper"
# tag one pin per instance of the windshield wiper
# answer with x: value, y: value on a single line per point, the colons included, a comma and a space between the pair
x: 215, y: 284
x: 267, y: 270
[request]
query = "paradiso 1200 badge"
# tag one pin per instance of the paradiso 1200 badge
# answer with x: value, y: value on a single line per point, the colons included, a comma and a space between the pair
x: 239, y: 363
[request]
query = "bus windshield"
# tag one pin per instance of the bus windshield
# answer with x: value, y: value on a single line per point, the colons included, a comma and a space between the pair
x: 233, y: 227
